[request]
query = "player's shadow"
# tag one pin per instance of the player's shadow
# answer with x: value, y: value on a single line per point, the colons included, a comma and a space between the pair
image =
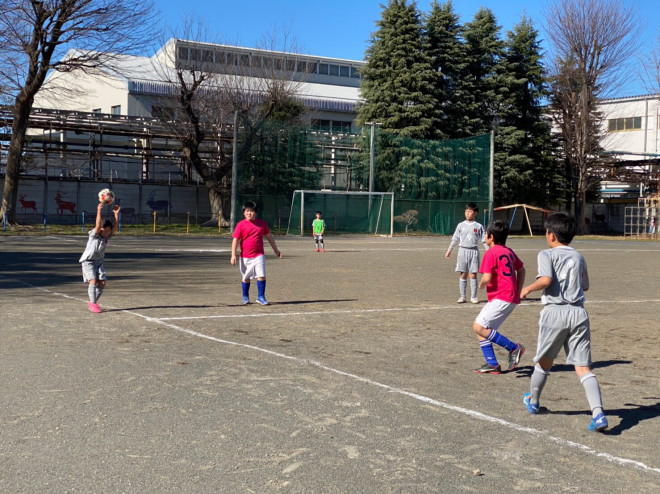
x: 320, y: 301
x: 145, y: 307
x: 300, y: 302
x: 630, y: 417
x: 526, y: 371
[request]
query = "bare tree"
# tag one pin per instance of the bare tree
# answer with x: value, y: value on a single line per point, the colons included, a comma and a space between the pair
x: 34, y: 37
x: 651, y: 69
x: 208, y: 87
x: 591, y: 41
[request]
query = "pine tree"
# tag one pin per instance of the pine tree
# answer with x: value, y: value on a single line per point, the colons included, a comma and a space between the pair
x: 447, y: 54
x: 397, y: 79
x: 477, y: 87
x: 525, y: 169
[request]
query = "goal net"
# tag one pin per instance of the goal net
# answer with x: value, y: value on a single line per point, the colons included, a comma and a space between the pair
x: 343, y: 212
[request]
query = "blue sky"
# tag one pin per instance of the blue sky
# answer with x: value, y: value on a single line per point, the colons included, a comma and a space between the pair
x: 341, y: 28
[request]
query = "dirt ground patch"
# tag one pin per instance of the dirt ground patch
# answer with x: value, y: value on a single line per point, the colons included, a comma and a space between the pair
x: 357, y: 378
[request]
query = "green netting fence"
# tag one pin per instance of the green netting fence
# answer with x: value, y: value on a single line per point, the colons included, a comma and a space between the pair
x: 431, y: 180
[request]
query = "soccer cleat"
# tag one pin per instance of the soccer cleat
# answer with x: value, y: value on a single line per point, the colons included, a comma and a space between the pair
x: 515, y: 356
x: 94, y: 307
x: 246, y: 300
x: 317, y: 250
x: 488, y: 369
x: 461, y: 300
x: 262, y: 300
x: 474, y: 300
x: 322, y: 250
x: 531, y: 407
x: 598, y: 423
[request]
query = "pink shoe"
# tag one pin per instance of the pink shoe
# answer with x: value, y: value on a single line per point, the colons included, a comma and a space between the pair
x: 94, y: 307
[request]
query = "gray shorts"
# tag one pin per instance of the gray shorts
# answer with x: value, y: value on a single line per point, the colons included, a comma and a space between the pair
x: 93, y: 270
x: 467, y: 260
x: 565, y: 327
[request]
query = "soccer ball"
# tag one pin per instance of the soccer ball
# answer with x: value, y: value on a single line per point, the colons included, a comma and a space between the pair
x: 106, y: 196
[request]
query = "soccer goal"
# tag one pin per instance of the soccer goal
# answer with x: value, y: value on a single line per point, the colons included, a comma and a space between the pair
x: 344, y: 212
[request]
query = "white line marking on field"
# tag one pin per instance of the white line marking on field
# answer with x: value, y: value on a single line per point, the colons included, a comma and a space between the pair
x: 425, y: 399
x: 393, y: 309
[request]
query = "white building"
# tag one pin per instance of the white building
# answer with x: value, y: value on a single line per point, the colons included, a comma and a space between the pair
x: 631, y: 129
x: 134, y: 86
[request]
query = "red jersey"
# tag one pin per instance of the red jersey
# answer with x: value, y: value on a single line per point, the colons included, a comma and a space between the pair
x: 251, y: 236
x: 502, y: 264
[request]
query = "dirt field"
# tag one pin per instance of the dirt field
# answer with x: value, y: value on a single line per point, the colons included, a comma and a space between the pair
x: 356, y: 379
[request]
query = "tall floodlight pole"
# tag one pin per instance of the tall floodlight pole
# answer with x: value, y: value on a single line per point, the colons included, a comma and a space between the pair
x: 234, y: 175
x: 492, y: 175
x: 371, y: 155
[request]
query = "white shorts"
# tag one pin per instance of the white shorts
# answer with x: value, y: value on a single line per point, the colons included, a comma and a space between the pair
x: 93, y: 270
x: 252, y: 267
x: 565, y: 327
x: 467, y: 260
x: 494, y: 313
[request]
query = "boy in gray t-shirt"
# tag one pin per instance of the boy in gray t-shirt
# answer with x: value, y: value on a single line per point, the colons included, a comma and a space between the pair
x: 468, y: 235
x: 564, y: 323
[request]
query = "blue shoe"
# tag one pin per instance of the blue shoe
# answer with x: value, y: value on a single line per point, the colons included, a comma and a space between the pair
x: 246, y: 300
x: 531, y: 407
x: 262, y: 300
x: 598, y: 423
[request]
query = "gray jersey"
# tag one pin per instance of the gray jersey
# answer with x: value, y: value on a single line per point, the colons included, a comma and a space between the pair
x: 468, y: 234
x: 568, y: 271
x: 95, y: 249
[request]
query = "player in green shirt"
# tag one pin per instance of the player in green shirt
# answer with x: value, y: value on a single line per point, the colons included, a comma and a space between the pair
x: 318, y: 229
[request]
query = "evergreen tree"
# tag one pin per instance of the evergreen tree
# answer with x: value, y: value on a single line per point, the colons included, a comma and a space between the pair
x: 477, y: 88
x: 525, y: 168
x: 447, y: 54
x: 397, y: 79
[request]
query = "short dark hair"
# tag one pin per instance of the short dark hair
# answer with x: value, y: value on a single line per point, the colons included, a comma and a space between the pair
x: 250, y: 205
x: 473, y: 206
x: 108, y: 224
x: 563, y: 225
x: 318, y: 212
x: 499, y: 230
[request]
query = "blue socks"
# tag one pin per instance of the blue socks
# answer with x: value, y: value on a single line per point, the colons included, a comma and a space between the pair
x: 261, y: 288
x: 489, y: 353
x: 502, y: 341
x: 246, y: 288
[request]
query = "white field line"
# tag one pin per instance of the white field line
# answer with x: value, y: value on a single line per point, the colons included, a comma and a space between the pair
x: 392, y: 309
x: 425, y: 399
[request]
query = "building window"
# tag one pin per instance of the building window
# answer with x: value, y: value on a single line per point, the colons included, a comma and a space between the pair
x: 96, y: 110
x: 183, y: 52
x: 115, y: 110
x: 323, y: 68
x: 334, y: 69
x: 623, y: 124
x: 355, y: 72
x: 343, y: 70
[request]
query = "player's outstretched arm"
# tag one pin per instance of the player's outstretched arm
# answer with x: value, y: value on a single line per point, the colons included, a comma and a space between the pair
x: 116, y: 210
x: 99, y: 219
x: 541, y: 283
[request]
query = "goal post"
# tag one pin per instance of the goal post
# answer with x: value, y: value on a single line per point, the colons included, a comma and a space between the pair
x: 370, y: 213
